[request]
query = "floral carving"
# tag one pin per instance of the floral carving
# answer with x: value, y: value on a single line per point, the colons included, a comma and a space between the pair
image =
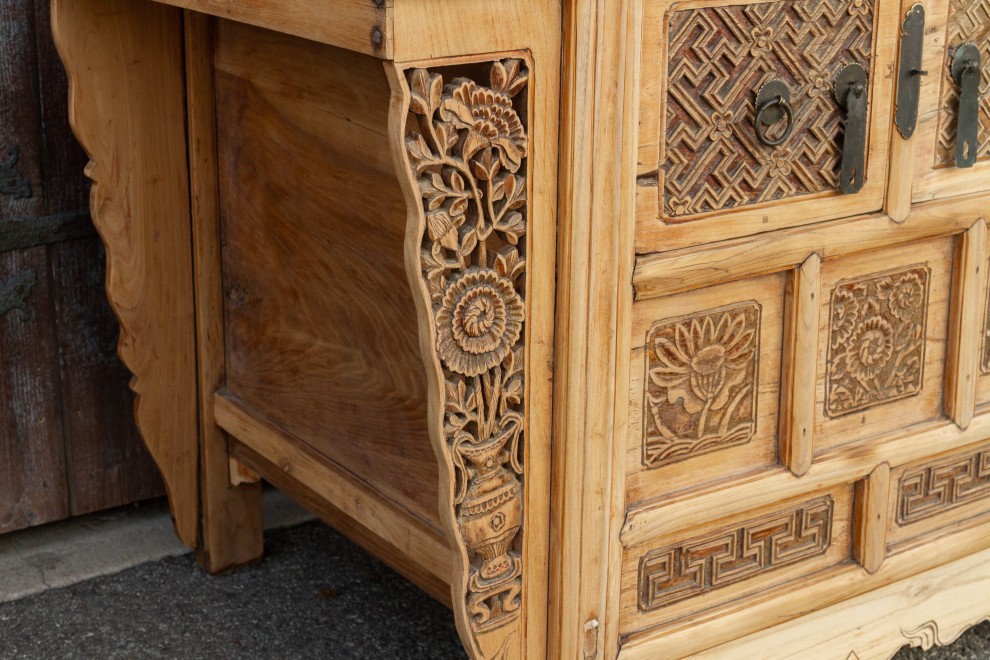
x: 467, y: 145
x: 876, y: 349
x: 701, y: 381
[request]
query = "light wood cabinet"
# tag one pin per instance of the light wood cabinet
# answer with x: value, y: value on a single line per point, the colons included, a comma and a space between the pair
x: 549, y: 308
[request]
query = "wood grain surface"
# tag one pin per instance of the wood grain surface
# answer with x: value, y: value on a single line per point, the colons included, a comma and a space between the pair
x: 318, y: 316
x: 124, y: 62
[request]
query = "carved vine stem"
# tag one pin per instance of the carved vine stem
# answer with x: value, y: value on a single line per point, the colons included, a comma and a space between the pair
x: 466, y: 148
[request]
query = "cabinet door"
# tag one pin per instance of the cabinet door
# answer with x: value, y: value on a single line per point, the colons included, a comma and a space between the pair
x: 949, y: 153
x: 718, y: 160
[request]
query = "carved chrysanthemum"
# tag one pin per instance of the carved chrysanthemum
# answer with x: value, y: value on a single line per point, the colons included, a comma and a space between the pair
x: 871, y: 347
x: 479, y: 321
x: 490, y: 118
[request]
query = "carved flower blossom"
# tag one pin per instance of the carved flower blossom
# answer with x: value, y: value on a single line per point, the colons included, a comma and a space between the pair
x: 859, y: 7
x: 780, y: 163
x: 722, y: 125
x: 490, y: 119
x: 845, y: 313
x: 479, y: 321
x: 904, y: 296
x: 820, y: 83
x: 761, y: 40
x: 704, y: 362
x: 871, y: 346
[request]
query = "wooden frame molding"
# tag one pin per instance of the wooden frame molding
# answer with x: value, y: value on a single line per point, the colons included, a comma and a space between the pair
x: 963, y: 356
x: 126, y: 107
x: 798, y: 374
x: 870, y: 518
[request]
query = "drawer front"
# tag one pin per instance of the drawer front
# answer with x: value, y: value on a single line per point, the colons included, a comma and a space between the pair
x: 711, y: 174
x: 931, y: 157
x: 727, y: 561
x: 937, y: 495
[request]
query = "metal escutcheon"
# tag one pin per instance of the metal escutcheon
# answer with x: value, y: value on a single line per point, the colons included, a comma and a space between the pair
x: 966, y: 73
x: 852, y: 93
x: 773, y: 103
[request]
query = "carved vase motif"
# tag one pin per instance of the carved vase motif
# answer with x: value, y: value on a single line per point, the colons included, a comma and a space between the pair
x: 467, y: 146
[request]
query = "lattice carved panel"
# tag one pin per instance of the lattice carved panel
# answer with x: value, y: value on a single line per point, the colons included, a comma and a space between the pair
x: 876, y: 339
x: 701, y: 383
x: 929, y: 490
x: 969, y: 23
x: 718, y: 57
x: 733, y: 554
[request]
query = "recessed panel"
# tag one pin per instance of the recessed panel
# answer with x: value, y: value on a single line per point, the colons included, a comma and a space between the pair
x: 882, y: 341
x: 706, y: 379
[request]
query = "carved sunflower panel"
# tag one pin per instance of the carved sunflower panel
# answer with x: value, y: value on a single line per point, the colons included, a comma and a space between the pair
x: 706, y: 384
x: 939, y: 493
x: 882, y: 342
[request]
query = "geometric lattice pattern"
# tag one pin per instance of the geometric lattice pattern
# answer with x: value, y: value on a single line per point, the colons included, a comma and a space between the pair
x: 969, y: 23
x: 932, y: 489
x: 733, y: 554
x: 718, y: 58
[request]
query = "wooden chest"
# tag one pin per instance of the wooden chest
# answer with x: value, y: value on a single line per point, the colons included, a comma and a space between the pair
x: 630, y: 329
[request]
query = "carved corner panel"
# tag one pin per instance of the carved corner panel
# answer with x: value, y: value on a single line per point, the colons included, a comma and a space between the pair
x: 466, y: 146
x: 701, y: 383
x: 717, y: 58
x: 876, y: 339
x: 929, y: 490
x: 736, y: 553
x: 969, y: 23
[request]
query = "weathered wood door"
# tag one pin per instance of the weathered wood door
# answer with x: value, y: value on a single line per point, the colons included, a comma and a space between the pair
x: 68, y: 444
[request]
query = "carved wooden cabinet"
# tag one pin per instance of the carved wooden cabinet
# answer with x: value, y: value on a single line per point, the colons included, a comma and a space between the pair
x: 629, y: 328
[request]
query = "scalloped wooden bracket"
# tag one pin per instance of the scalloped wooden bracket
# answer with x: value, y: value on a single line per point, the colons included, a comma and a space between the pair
x: 125, y: 68
x: 461, y: 148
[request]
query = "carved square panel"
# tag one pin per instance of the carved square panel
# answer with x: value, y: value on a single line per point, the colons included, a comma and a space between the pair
x: 938, y: 493
x: 717, y: 58
x: 876, y: 339
x: 704, y: 174
x: 948, y: 25
x: 701, y: 381
x: 705, y: 385
x: 883, y: 328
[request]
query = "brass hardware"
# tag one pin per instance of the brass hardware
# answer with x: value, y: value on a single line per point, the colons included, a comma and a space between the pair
x: 12, y: 182
x: 966, y: 73
x: 14, y: 293
x: 851, y: 91
x: 909, y: 72
x: 773, y: 103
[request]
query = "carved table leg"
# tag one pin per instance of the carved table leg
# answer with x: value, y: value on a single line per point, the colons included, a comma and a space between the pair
x: 461, y: 148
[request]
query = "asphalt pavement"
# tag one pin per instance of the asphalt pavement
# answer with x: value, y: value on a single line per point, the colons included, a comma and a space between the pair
x: 315, y: 595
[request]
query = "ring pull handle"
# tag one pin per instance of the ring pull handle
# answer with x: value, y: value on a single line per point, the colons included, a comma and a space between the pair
x: 851, y: 92
x: 773, y: 103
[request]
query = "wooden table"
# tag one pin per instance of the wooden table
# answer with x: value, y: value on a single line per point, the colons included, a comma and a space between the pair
x: 553, y: 310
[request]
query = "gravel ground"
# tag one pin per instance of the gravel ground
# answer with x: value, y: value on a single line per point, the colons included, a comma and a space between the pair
x: 316, y: 595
